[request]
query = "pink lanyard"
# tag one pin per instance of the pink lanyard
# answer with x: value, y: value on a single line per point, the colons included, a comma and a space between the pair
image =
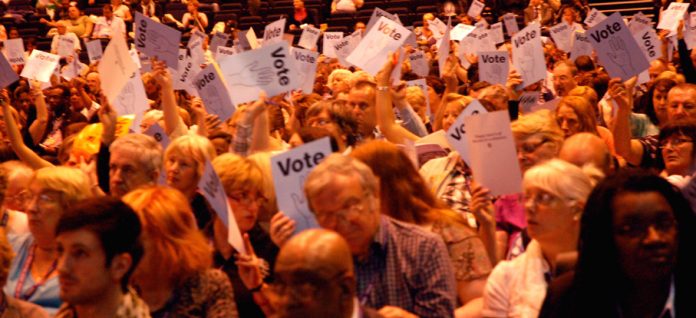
x: 25, y: 272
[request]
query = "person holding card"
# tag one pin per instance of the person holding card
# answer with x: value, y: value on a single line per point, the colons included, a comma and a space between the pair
x: 193, y: 19
x: 300, y: 16
x: 391, y: 258
x: 539, y: 11
x: 555, y: 193
x: 63, y: 36
x: 243, y: 180
x: 406, y: 197
x: 108, y: 25
x: 175, y: 277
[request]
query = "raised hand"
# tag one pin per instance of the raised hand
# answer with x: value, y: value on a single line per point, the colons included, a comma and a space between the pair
x: 282, y: 228
x: 249, y: 266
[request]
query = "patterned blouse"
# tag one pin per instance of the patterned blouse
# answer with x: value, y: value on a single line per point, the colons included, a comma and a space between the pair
x: 205, y: 295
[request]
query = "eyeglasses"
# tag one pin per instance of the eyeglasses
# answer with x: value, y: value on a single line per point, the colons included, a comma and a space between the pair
x: 532, y: 147
x: 352, y: 206
x: 639, y: 229
x: 44, y: 198
x: 247, y: 200
x: 541, y: 199
x: 674, y: 142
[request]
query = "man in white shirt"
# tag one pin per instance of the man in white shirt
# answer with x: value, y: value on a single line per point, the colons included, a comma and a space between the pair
x: 109, y: 25
x: 65, y: 43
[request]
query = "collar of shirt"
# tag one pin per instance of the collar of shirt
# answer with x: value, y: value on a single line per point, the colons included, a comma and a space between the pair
x: 669, y: 310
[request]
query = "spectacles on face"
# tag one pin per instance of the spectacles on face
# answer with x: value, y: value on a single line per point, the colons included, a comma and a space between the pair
x: 529, y: 147
x: 674, y: 142
x: 44, y: 198
x: 352, y: 206
x: 639, y: 228
x: 541, y: 199
x: 247, y: 200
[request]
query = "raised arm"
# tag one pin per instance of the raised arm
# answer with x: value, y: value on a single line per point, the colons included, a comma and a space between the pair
x: 173, y: 124
x: 38, y: 127
x: 628, y: 148
x: 25, y: 154
x: 385, y: 115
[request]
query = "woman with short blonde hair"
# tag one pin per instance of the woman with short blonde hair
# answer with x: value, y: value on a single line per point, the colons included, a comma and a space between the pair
x: 175, y: 277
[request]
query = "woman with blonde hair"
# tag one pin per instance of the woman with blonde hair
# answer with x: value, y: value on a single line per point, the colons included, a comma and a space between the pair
x: 184, y: 164
x: 33, y: 276
x: 175, y: 277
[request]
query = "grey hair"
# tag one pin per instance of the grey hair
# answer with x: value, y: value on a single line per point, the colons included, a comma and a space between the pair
x: 148, y: 150
x: 337, y: 164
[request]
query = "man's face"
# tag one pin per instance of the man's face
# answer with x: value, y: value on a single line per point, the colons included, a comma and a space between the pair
x: 344, y: 207
x: 61, y: 28
x: 681, y: 103
x: 16, y: 194
x: 108, y: 13
x: 645, y: 234
x: 82, y: 271
x: 362, y: 102
x: 125, y: 173
x: 656, y: 67
x: 54, y: 97
x: 563, y: 80
x: 93, y: 82
x: 73, y: 13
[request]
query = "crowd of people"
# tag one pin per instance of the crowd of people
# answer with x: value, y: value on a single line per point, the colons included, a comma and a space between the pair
x: 100, y: 220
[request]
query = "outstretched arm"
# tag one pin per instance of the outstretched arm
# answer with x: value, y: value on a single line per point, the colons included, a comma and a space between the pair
x: 23, y: 152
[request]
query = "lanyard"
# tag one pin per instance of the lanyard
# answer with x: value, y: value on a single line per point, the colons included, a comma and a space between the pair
x: 25, y: 272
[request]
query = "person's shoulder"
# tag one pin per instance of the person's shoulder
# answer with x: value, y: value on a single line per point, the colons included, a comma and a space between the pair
x: 407, y: 230
x: 24, y: 309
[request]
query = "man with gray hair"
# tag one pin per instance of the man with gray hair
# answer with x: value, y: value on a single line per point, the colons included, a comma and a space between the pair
x: 586, y: 148
x: 136, y: 160
x: 400, y: 268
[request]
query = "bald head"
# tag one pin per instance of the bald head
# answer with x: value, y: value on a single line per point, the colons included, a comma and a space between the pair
x: 583, y: 148
x: 316, y: 269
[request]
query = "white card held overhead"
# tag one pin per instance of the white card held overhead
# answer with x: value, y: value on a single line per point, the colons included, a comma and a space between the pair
x: 562, y: 35
x: 345, y: 46
x: 650, y: 43
x: 7, y: 74
x: 456, y: 134
x: 274, y: 32
x: 437, y: 27
x: 223, y: 51
x: 376, y: 15
x: 496, y: 33
x: 475, y: 9
x: 157, y: 40
x: 289, y: 170
x: 618, y: 52
x: 690, y: 31
x: 40, y: 66
x: 493, y: 159
x: 461, y: 31
x: 594, y: 17
x: 213, y: 191
x: 373, y: 51
x: 528, y: 55
x: 306, y: 64
x: 510, y: 22
x: 309, y: 37
x: 443, y: 50
x: 638, y: 22
x: 494, y: 66
x: 67, y: 45
x: 269, y: 68
x: 118, y: 64
x: 14, y: 51
x: 484, y: 40
x: 211, y: 87
x: 331, y: 39
x: 419, y: 63
x: 669, y: 19
x: 94, y: 50
x: 218, y: 39
x: 132, y: 99
x: 581, y: 46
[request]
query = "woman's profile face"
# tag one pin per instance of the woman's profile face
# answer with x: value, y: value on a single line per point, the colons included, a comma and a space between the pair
x: 645, y: 235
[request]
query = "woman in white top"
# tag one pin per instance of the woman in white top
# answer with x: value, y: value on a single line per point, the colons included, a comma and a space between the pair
x: 345, y: 6
x: 193, y: 19
x: 121, y: 10
x: 555, y: 195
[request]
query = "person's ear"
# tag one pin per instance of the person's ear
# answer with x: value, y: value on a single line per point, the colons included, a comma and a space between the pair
x: 577, y: 210
x: 120, y: 265
x: 347, y: 285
